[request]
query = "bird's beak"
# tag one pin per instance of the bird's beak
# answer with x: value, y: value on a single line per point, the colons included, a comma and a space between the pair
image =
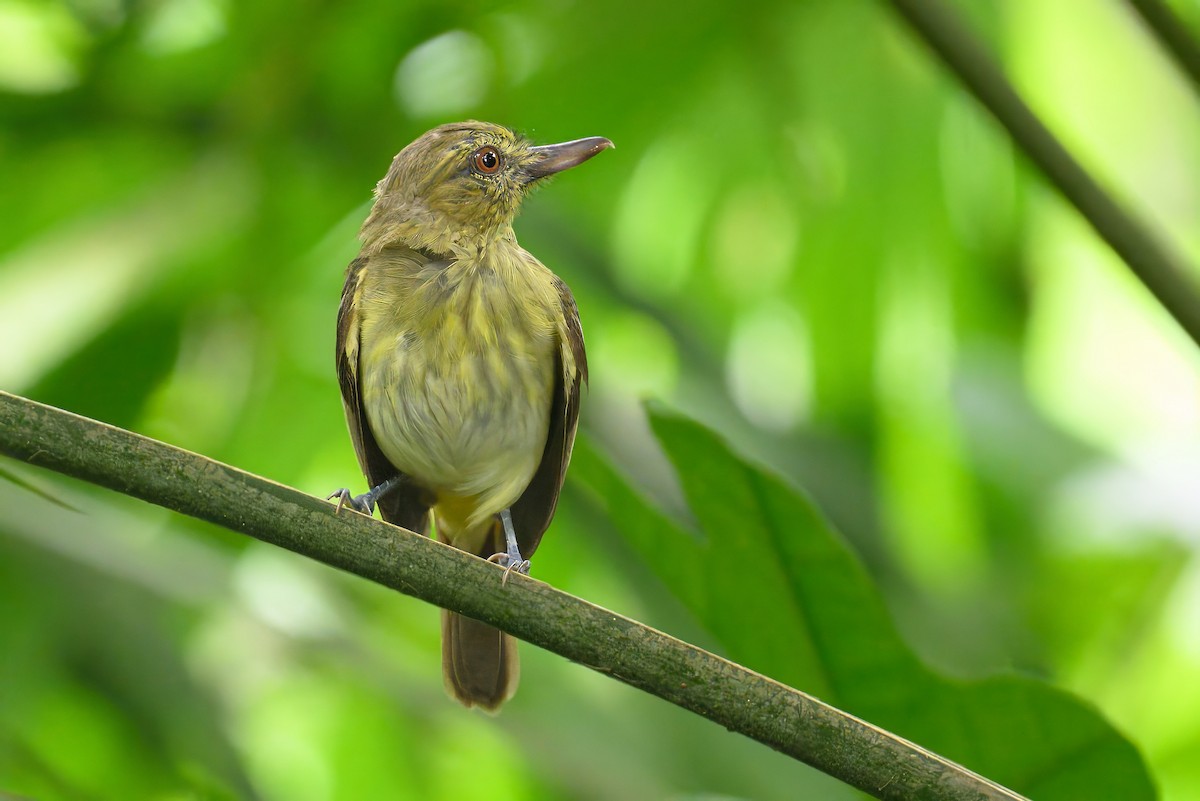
x: 556, y: 158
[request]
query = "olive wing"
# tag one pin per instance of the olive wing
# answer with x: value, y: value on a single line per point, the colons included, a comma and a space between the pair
x: 404, y: 505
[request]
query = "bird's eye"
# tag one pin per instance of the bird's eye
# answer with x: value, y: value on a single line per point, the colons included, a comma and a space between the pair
x: 486, y: 160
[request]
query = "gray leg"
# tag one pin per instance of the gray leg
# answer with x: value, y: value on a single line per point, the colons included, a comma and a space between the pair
x: 510, y: 560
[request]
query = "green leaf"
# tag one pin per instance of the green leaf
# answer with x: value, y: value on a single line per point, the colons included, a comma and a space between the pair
x: 785, y: 595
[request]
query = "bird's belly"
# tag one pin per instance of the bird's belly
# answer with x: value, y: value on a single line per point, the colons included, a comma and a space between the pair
x: 464, y: 416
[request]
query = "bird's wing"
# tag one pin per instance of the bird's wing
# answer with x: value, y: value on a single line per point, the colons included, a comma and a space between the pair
x: 533, y: 511
x: 404, y: 505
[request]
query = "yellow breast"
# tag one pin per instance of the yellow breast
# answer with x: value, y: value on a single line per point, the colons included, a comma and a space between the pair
x: 457, y: 371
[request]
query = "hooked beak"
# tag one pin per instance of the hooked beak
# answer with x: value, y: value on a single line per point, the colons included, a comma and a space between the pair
x: 556, y: 158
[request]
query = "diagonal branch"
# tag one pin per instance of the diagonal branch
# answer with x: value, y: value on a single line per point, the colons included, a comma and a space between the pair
x: 862, y: 755
x: 1158, y: 266
x: 1173, y: 34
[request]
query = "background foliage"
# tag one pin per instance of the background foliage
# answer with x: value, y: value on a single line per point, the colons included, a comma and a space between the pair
x: 808, y: 238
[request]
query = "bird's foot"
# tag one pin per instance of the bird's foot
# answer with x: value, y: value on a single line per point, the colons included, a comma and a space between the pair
x: 510, y: 561
x: 364, y: 503
x: 511, y: 558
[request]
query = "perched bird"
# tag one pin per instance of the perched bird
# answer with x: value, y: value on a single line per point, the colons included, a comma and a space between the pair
x: 460, y: 358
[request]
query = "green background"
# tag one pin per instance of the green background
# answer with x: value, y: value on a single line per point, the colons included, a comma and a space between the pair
x: 809, y: 238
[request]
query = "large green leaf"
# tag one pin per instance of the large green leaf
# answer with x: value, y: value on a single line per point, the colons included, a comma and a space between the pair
x: 785, y: 595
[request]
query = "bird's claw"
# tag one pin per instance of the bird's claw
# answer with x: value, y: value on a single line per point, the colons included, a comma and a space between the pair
x: 359, y: 503
x: 510, y: 563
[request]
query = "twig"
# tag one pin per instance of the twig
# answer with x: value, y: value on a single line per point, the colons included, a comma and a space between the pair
x: 862, y: 755
x: 1173, y: 34
x: 1161, y: 270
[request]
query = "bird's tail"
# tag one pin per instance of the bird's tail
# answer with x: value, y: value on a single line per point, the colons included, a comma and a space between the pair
x: 480, y: 665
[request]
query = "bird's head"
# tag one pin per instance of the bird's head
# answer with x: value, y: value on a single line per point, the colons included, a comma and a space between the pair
x: 463, y: 183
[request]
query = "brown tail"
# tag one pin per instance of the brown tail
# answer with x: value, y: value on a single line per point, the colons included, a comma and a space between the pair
x: 480, y: 665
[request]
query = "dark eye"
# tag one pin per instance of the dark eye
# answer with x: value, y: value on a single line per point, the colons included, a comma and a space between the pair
x: 486, y: 160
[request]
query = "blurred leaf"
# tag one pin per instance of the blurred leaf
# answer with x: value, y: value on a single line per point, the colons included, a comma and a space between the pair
x: 93, y: 682
x: 87, y: 383
x: 785, y: 596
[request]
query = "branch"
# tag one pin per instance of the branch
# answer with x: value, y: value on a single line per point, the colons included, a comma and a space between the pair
x: 1173, y: 34
x: 787, y: 720
x: 1160, y: 269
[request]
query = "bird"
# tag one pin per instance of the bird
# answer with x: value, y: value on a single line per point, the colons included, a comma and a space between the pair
x: 460, y: 359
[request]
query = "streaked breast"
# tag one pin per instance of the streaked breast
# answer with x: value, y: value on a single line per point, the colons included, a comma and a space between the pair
x: 458, y: 375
